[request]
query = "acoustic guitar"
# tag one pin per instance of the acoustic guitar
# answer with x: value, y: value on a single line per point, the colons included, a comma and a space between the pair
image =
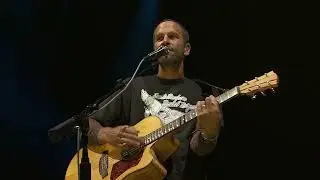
x: 145, y: 162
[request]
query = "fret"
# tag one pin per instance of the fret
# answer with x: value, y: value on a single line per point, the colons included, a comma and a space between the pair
x: 156, y: 133
x: 187, y: 117
x: 182, y: 120
x: 154, y: 136
x: 177, y: 123
x: 193, y: 114
x: 190, y: 116
x: 147, y: 140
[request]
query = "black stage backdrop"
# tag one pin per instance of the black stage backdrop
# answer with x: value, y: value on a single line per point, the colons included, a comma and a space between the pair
x: 58, y: 56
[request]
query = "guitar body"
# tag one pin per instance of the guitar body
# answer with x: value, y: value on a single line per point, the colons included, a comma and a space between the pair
x: 108, y: 164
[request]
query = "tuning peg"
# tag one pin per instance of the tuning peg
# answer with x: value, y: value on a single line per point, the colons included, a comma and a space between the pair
x: 273, y: 91
x: 253, y: 97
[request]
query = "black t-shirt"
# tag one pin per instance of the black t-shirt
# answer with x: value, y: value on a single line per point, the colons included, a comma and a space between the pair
x: 172, y: 98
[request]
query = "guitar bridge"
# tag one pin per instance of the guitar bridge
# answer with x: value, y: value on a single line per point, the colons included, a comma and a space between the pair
x: 103, y: 164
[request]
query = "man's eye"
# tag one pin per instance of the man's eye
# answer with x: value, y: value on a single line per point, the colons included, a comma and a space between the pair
x: 159, y: 38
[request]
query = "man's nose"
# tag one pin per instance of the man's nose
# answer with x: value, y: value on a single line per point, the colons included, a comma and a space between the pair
x: 165, y: 41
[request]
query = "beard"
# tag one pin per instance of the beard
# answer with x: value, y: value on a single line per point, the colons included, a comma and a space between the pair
x: 173, y: 59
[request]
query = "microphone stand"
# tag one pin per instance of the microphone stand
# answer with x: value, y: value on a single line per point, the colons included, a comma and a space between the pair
x: 84, y: 171
x: 81, y: 121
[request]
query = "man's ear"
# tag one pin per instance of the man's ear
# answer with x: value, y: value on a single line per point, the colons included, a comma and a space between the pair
x: 187, y: 49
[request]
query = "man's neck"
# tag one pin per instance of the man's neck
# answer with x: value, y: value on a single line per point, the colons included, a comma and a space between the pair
x: 171, y: 73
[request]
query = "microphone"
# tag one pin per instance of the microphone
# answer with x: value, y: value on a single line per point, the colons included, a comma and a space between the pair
x: 162, y: 50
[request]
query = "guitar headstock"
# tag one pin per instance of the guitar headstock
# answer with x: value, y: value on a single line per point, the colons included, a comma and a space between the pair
x: 260, y: 84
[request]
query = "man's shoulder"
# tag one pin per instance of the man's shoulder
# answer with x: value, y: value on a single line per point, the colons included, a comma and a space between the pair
x: 143, y: 78
x: 191, y: 82
x: 137, y: 79
x: 141, y: 81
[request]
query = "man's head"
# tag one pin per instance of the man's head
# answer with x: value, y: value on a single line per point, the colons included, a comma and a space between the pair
x: 172, y: 34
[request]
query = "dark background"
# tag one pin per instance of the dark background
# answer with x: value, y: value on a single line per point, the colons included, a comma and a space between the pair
x: 58, y: 56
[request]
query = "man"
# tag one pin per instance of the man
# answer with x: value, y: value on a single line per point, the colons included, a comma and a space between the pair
x: 174, y: 95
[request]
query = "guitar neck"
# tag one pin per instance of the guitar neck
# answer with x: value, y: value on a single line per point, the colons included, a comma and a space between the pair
x: 188, y: 117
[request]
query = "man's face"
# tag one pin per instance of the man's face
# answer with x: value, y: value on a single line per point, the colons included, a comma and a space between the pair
x: 170, y: 34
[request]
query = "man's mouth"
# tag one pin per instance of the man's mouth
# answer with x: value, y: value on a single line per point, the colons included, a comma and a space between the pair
x: 171, y: 50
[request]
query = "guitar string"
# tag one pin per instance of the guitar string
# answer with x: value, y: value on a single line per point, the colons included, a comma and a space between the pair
x: 172, y: 90
x: 131, y: 150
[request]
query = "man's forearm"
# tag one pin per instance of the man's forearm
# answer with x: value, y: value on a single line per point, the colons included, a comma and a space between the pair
x: 202, y: 145
x: 93, y: 133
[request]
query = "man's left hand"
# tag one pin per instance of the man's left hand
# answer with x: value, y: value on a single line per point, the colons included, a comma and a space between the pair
x: 209, y: 116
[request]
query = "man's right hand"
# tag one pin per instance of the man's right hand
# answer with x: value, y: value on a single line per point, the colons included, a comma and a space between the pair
x: 121, y: 136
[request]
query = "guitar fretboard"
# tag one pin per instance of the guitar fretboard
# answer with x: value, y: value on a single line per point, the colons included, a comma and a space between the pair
x: 228, y: 95
x: 155, y: 135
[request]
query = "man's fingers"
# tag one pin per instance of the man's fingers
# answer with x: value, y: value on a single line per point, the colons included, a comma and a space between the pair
x: 211, y: 103
x: 208, y: 103
x: 200, y: 106
x: 213, y: 100
x: 131, y: 130
x: 131, y: 136
x: 129, y: 142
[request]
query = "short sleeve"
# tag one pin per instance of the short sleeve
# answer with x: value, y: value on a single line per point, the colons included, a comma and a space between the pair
x: 110, y: 115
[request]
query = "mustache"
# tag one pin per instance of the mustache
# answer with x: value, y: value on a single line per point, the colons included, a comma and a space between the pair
x: 172, y: 49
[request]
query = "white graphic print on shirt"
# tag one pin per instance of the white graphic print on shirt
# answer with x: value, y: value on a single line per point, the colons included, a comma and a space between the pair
x: 162, y: 110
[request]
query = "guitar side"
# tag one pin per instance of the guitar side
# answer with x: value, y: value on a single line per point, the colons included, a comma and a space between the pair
x: 146, y: 166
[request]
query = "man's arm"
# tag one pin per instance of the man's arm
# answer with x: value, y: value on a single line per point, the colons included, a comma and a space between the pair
x: 208, y: 125
x: 108, y: 125
x: 201, y: 144
x: 106, y: 117
x: 122, y: 135
x: 94, y: 129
